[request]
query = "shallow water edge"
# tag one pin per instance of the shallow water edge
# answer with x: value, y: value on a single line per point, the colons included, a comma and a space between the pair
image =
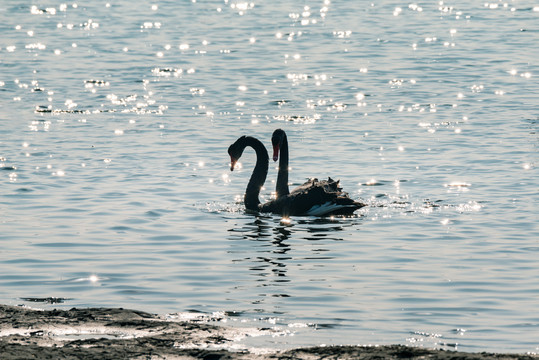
x: 112, y: 333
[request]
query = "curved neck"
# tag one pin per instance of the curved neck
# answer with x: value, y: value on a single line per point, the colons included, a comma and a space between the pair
x: 281, y: 187
x: 258, y: 177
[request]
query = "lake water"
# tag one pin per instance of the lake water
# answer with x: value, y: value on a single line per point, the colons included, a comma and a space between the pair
x: 116, y: 190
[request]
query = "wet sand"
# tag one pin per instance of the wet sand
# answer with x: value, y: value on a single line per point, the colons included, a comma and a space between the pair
x: 103, y: 333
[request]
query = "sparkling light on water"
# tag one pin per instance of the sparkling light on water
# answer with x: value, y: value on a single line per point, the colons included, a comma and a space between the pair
x: 116, y: 117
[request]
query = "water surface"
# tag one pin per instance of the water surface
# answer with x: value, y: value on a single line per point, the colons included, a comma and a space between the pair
x: 116, y: 190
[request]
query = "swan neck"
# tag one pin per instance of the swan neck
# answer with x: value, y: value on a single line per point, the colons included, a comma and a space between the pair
x: 282, y: 176
x: 258, y: 177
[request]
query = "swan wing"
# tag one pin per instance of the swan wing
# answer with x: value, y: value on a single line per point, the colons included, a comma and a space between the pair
x: 329, y: 208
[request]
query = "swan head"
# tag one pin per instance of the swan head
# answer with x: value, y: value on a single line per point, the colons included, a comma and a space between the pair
x: 277, y: 140
x: 235, y: 151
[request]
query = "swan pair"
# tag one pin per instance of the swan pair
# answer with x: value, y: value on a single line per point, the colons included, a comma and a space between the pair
x: 314, y: 198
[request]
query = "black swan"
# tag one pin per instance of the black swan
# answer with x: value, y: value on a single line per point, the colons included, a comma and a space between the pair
x: 326, y: 195
x: 258, y: 177
x: 315, y: 198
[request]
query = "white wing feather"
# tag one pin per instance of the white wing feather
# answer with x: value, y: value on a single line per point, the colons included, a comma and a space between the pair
x: 321, y: 210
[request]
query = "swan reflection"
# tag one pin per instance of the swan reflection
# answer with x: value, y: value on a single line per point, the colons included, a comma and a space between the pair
x: 272, y: 250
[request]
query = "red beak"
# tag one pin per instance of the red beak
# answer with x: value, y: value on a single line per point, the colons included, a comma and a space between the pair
x: 275, y: 152
x: 232, y: 163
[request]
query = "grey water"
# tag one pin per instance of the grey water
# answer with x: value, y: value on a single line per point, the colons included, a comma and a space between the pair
x: 115, y: 187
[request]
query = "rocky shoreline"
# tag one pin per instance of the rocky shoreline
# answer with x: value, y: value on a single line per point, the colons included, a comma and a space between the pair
x: 115, y: 333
